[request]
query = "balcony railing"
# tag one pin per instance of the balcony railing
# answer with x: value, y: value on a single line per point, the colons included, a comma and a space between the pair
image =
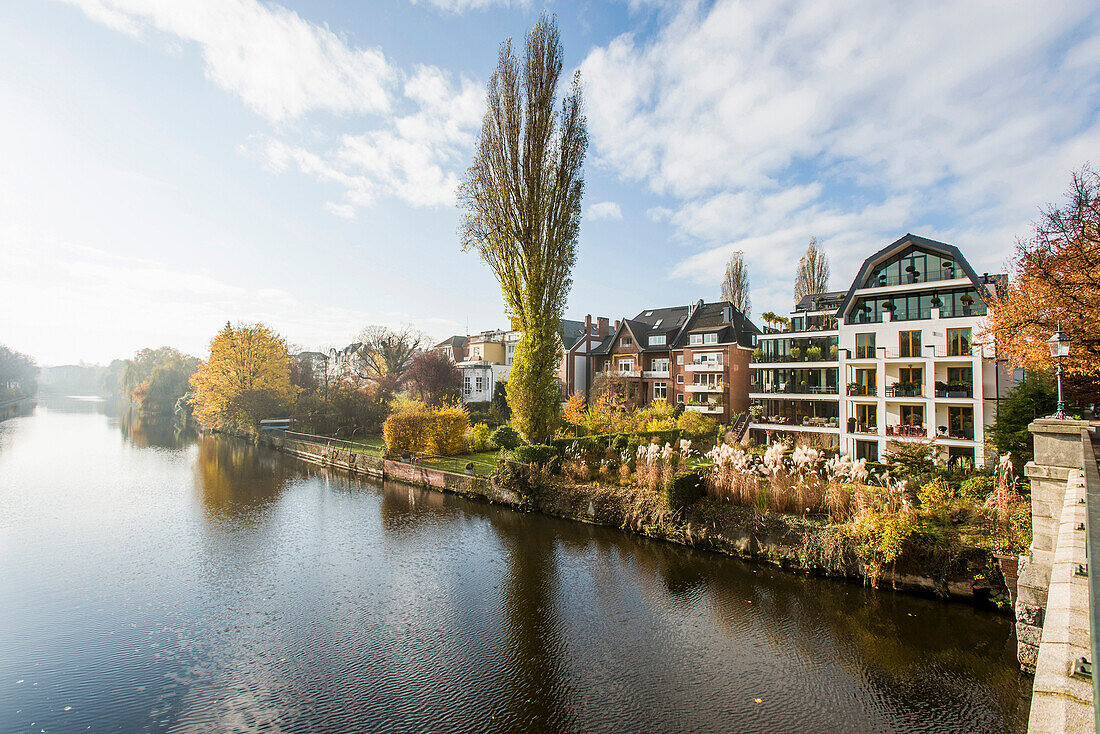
x: 947, y: 390
x: 704, y: 367
x: 704, y: 407
x: 655, y: 373
x: 903, y: 430
x: 823, y: 356
x: 902, y: 391
x: 857, y: 390
x: 795, y: 390
x: 703, y: 387
x: 956, y: 434
x: 864, y: 428
x: 910, y: 277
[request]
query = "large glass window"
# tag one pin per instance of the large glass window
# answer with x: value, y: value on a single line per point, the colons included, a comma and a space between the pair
x: 909, y: 344
x: 660, y: 390
x: 867, y: 450
x: 865, y: 346
x: 912, y: 266
x: 866, y: 418
x: 960, y: 422
x: 958, y: 342
x: 912, y: 378
x: 864, y: 383
x: 912, y: 415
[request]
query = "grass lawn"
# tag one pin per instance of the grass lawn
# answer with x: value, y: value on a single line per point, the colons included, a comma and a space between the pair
x: 487, y: 459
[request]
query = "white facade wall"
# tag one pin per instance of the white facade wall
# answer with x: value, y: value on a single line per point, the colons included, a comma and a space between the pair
x: 478, y: 380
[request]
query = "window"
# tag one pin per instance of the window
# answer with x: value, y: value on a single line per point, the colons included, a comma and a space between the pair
x: 958, y: 342
x: 679, y: 379
x: 660, y: 390
x: 466, y: 385
x: 865, y: 346
x: 912, y: 375
x: 480, y: 384
x: 867, y: 450
x: 659, y: 365
x: 626, y: 365
x: 865, y: 382
x: 960, y: 422
x: 680, y: 398
x: 710, y: 338
x: 912, y: 415
x: 679, y: 359
x: 626, y: 341
x: 657, y: 341
x: 909, y: 343
x: 695, y: 339
x: 866, y: 418
x: 961, y: 374
x: 657, y: 323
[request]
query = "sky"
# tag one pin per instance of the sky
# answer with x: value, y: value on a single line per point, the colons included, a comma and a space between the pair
x: 167, y: 166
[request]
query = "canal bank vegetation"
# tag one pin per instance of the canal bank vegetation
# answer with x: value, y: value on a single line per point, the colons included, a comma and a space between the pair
x: 156, y: 381
x: 18, y: 375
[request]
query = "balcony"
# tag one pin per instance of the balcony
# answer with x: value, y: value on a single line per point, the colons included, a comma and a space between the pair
x: 794, y: 389
x: 625, y: 373
x: 955, y: 433
x: 902, y: 430
x: 704, y: 367
x: 905, y: 390
x: 710, y: 408
x: 704, y: 387
x: 656, y: 373
x: 862, y: 429
x: 954, y: 390
x: 857, y: 390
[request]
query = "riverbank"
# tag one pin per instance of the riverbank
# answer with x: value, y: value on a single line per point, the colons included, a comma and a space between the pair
x: 17, y: 407
x: 793, y: 542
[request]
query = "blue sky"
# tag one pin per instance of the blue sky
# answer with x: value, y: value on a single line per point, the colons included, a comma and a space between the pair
x: 170, y: 165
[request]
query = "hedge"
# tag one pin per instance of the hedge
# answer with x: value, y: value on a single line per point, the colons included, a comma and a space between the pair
x: 506, y: 437
x: 684, y: 489
x: 619, y: 441
x: 536, y: 454
x: 441, y: 432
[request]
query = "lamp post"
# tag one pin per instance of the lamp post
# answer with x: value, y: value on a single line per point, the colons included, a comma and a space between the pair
x: 1059, y: 347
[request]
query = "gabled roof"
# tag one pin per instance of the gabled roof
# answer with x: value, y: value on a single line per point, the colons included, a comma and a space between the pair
x: 676, y: 321
x: 900, y: 244
x: 456, y: 341
x: 821, y: 301
x: 571, y: 332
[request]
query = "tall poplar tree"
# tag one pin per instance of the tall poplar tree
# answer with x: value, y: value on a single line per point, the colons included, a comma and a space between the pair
x: 522, y: 201
x: 735, y: 284
x: 813, y: 272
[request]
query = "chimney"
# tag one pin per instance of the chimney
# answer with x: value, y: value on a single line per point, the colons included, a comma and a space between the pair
x: 601, y: 326
x: 588, y: 323
x: 616, y: 325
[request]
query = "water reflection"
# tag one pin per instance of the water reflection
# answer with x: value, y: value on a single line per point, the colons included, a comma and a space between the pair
x: 236, y: 480
x: 154, y: 431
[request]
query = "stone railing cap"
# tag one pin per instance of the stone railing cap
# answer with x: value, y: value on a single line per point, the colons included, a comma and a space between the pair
x: 1058, y: 425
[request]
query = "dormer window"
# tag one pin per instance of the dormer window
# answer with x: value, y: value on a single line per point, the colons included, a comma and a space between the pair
x: 710, y: 338
x: 658, y: 340
x: 695, y: 339
x: 626, y: 341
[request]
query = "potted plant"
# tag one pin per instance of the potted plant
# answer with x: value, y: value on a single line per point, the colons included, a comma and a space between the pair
x: 967, y: 302
x: 813, y: 354
x: 941, y: 389
x: 911, y: 272
x: 851, y: 425
x: 834, y: 351
x: 936, y: 302
x: 758, y: 354
x: 942, y: 430
x: 796, y: 353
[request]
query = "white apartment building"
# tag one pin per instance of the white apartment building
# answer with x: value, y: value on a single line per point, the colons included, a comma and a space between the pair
x: 893, y: 358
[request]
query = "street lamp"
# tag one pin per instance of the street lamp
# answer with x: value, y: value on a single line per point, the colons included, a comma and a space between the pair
x: 1059, y: 347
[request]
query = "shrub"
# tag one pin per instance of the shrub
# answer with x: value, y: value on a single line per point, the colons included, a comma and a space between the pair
x: 478, y: 438
x: 695, y: 424
x: 977, y: 488
x: 506, y: 437
x: 684, y: 489
x: 536, y: 453
x: 445, y: 431
x: 404, y: 432
x: 813, y: 354
x: 881, y: 538
x: 936, y: 497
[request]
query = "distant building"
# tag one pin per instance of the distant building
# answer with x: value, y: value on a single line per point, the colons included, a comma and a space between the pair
x: 695, y: 355
x: 454, y: 347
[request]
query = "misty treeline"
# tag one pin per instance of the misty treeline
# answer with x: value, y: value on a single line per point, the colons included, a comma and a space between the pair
x: 155, y: 380
x: 18, y: 375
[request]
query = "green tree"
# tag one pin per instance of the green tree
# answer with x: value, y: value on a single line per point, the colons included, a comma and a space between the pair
x: 522, y: 200
x: 1034, y: 397
x: 155, y: 379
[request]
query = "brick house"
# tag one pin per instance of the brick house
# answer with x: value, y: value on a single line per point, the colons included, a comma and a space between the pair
x: 696, y: 356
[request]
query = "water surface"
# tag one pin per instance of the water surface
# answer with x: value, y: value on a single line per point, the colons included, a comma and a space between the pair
x: 151, y: 580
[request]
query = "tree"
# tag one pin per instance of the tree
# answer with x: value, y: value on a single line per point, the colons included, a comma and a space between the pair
x: 1034, y: 397
x: 522, y: 201
x: 770, y: 317
x: 155, y: 379
x: 434, y: 378
x: 1054, y: 284
x: 245, y: 379
x: 498, y: 407
x: 18, y: 374
x: 385, y: 354
x: 813, y: 272
x: 735, y: 286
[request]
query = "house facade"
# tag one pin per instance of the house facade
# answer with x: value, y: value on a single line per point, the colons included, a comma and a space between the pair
x: 893, y: 358
x: 696, y: 356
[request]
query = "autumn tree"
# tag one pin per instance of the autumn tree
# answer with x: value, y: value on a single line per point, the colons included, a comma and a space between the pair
x: 434, y: 379
x: 385, y: 354
x: 246, y: 378
x: 735, y: 284
x: 522, y: 201
x: 813, y: 272
x: 155, y: 379
x: 1054, y: 281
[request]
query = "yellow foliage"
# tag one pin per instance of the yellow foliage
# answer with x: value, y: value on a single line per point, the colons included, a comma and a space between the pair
x: 574, y: 409
x: 445, y: 433
x: 414, y: 427
x: 245, y: 379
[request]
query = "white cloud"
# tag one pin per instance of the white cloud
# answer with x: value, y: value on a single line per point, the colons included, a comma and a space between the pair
x: 462, y: 6
x: 280, y: 65
x: 605, y: 210
x: 855, y: 121
x: 344, y: 211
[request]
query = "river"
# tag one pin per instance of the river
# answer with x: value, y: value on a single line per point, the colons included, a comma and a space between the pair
x: 152, y: 580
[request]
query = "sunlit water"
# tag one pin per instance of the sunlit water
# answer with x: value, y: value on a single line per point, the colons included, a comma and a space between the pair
x: 150, y: 580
